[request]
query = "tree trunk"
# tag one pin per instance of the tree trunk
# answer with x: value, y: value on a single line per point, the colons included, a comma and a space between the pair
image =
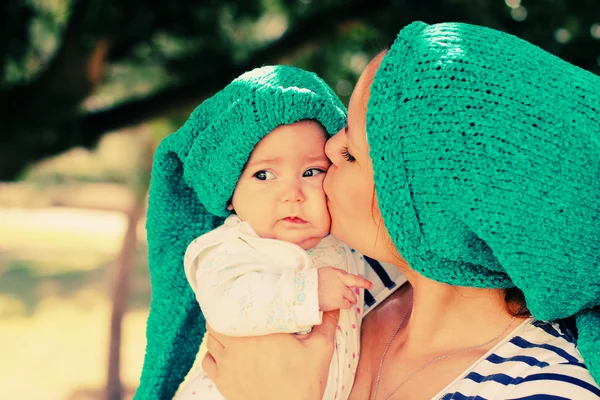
x: 121, y: 284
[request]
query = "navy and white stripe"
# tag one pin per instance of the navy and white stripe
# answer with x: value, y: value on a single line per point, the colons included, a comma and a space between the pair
x: 538, y: 361
x: 386, y: 278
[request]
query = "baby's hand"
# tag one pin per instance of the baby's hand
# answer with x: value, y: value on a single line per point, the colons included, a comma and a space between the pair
x: 335, y: 288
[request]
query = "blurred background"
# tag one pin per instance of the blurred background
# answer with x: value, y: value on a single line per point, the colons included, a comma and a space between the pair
x: 88, y: 88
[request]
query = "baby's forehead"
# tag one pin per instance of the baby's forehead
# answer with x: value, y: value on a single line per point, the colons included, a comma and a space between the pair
x: 302, y: 141
x: 289, y: 157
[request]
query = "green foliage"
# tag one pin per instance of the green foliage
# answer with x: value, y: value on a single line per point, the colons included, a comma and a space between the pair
x: 71, y: 70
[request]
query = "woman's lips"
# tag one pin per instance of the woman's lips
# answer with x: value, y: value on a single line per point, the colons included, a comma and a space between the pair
x: 294, y: 220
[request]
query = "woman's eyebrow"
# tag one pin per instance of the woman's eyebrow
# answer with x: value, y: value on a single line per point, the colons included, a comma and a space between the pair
x: 347, y: 132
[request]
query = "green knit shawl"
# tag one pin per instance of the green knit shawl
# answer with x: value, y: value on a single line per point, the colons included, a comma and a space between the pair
x: 486, y: 151
x: 194, y: 174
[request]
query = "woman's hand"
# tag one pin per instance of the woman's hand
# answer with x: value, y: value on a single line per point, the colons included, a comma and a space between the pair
x: 278, y: 366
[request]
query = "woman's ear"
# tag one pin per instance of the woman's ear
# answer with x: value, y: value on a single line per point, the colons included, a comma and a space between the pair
x: 230, y: 204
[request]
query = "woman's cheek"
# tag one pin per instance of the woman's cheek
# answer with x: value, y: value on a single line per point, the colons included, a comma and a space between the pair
x: 341, y: 194
x: 346, y: 191
x: 329, y: 177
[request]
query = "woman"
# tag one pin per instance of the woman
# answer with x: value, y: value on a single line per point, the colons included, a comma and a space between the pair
x: 484, y: 154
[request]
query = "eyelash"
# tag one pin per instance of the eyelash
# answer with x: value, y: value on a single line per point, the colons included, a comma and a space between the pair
x: 349, y: 157
x: 261, y: 172
x: 320, y: 170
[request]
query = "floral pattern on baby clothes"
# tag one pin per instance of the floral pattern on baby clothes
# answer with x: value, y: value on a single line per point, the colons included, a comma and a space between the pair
x: 280, y: 317
x: 300, y: 288
x: 272, y: 286
x: 245, y: 303
x: 329, y: 252
x: 199, y: 387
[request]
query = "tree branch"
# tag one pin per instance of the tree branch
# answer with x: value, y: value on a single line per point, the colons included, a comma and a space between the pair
x: 318, y: 27
x: 85, y: 130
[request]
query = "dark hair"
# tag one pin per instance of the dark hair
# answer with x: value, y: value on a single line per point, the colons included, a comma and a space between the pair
x: 515, y: 303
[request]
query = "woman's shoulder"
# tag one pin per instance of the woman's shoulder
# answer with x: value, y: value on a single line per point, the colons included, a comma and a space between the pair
x: 547, y: 343
x: 550, y: 364
x: 539, y: 359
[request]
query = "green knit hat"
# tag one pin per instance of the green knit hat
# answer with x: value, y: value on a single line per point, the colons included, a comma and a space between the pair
x: 486, y: 151
x: 194, y: 174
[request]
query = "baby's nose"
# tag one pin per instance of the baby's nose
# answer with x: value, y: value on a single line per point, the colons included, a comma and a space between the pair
x: 292, y: 193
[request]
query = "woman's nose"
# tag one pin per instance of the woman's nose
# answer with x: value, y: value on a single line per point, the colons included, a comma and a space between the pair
x: 292, y: 193
x: 330, y: 147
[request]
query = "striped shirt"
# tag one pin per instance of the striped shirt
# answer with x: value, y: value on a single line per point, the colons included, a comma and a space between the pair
x: 538, y: 360
x: 386, y: 278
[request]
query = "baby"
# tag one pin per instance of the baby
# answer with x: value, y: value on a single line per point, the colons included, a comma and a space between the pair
x: 272, y: 265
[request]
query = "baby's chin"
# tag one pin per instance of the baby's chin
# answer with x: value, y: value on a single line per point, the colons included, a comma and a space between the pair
x: 305, y: 241
x: 309, y: 243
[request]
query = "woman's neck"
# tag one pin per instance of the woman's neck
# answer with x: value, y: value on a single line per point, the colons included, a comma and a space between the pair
x: 446, y: 317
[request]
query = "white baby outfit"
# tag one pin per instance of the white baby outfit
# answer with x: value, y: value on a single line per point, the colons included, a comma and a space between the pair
x: 249, y: 286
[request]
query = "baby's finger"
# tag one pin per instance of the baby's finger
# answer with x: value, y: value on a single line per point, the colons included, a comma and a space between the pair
x: 349, y: 295
x: 325, y: 331
x: 209, y: 365
x: 356, y: 281
x: 214, y: 347
x: 222, y: 339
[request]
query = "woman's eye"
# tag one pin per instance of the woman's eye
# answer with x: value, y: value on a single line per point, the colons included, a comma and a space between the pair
x: 264, y: 175
x: 349, y: 157
x: 313, y: 172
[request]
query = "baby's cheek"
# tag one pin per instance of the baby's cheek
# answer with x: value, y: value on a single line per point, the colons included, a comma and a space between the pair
x: 263, y: 223
x: 316, y: 207
x: 324, y: 220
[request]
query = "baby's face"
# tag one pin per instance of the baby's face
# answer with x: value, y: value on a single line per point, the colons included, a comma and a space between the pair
x: 280, y: 193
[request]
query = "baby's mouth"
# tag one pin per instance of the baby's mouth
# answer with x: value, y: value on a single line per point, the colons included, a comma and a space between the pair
x: 294, y: 220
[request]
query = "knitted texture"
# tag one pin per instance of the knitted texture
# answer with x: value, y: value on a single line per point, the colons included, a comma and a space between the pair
x: 194, y: 174
x: 486, y: 151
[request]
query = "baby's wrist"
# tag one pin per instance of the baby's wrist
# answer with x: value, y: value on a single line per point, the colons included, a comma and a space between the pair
x: 306, y: 298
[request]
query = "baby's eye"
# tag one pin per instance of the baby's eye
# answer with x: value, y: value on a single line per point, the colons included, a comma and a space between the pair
x: 313, y: 172
x: 264, y: 175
